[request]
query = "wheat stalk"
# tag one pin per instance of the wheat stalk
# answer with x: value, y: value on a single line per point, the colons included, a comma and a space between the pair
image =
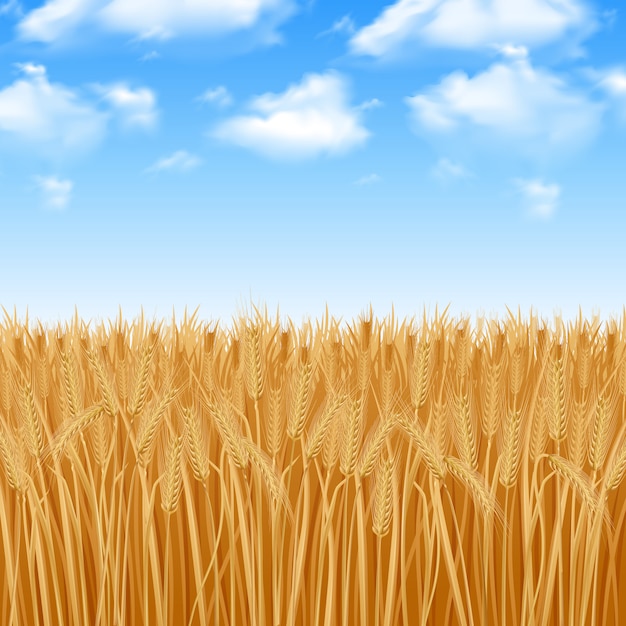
x: 476, y: 484
x: 373, y: 446
x: 322, y: 425
x: 464, y: 431
x: 275, y: 424
x: 433, y: 459
x: 149, y: 427
x: 31, y: 423
x: 172, y: 480
x: 72, y: 427
x: 510, y: 457
x: 615, y: 474
x: 70, y: 381
x: 383, y: 498
x: 140, y: 390
x: 420, y: 373
x: 600, y: 431
x: 297, y: 415
x: 109, y: 400
x: 351, y: 437
x: 254, y: 363
x: 13, y: 461
x: 230, y: 434
x: 195, y: 445
x: 576, y: 477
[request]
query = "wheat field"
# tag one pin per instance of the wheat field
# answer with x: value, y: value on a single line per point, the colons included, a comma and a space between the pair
x: 376, y: 473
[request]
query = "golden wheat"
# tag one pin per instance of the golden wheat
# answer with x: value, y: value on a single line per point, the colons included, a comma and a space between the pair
x: 86, y: 541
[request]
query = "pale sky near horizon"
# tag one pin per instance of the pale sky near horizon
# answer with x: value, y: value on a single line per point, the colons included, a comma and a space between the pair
x: 304, y: 153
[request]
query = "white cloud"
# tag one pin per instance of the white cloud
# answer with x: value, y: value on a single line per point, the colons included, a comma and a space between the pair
x: 511, y: 102
x: 614, y: 81
x: 343, y: 25
x: 56, y: 192
x: 445, y: 170
x: 55, y: 19
x: 368, y: 180
x: 135, y: 107
x: 31, y: 69
x: 180, y: 160
x: 464, y: 24
x: 541, y: 199
x: 511, y: 51
x: 149, y: 19
x: 49, y: 115
x: 220, y: 96
x: 304, y: 121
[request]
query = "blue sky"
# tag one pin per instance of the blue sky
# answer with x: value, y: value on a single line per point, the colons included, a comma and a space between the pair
x: 296, y: 154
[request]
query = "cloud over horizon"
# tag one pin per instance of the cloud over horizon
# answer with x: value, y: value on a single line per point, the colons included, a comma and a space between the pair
x: 467, y: 24
x: 523, y: 107
x: 49, y: 115
x: 308, y: 119
x: 157, y: 19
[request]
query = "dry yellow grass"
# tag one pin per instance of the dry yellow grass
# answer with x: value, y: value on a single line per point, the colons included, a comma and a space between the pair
x: 385, y: 501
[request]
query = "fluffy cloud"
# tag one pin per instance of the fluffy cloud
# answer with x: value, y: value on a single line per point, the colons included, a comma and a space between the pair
x: 512, y: 52
x: 49, y: 115
x: 304, y: 121
x: 55, y: 19
x: 134, y: 107
x: 56, y: 192
x: 179, y: 160
x: 446, y: 170
x: 613, y: 82
x: 149, y: 19
x: 468, y: 24
x: 511, y: 102
x: 219, y: 96
x: 541, y: 199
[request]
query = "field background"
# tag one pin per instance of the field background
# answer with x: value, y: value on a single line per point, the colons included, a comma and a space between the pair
x: 457, y: 164
x: 385, y: 473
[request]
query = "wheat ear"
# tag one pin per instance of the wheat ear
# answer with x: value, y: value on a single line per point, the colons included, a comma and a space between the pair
x: 108, y: 396
x: 72, y: 427
x: 195, y: 445
x: 322, y: 425
x: 297, y: 415
x: 13, y: 461
x: 31, y: 423
x: 433, y: 459
x: 254, y: 363
x: 171, y: 484
x: 351, y: 437
x: 374, y: 444
x: 149, y: 427
x: 580, y: 480
x: 140, y: 390
x: 475, y: 482
x: 511, y: 448
x: 383, y: 498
